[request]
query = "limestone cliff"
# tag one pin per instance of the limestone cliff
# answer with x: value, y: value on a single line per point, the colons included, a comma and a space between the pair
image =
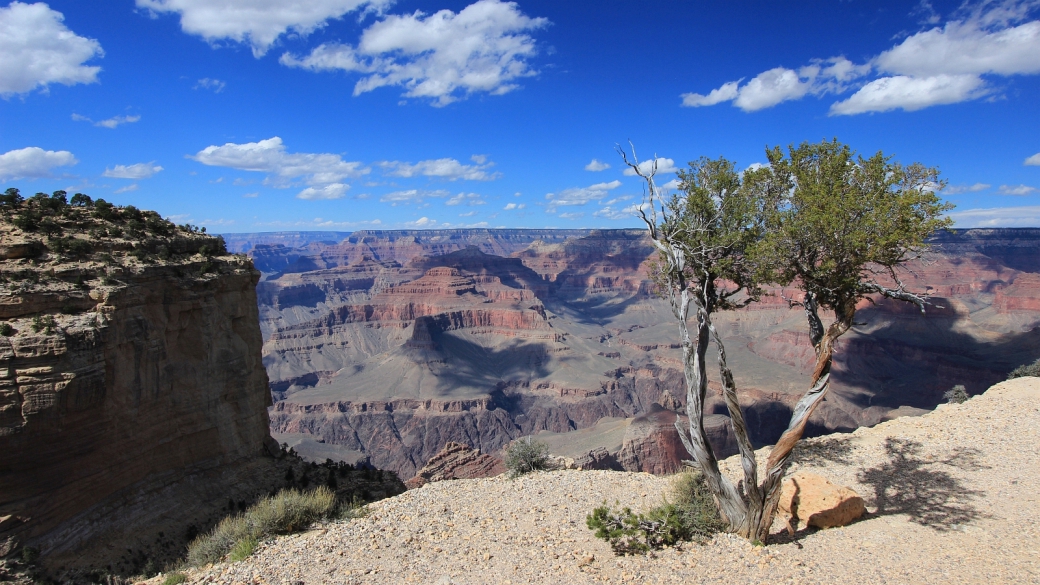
x: 133, y: 400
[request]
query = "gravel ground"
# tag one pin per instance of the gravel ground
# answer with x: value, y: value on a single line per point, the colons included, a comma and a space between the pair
x: 952, y: 498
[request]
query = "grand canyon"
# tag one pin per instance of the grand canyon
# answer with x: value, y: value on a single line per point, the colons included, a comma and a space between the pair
x: 387, y: 345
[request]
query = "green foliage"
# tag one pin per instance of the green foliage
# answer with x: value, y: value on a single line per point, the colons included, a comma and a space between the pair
x: 1024, y: 370
x: 838, y: 219
x: 956, y: 395
x: 175, y: 578
x: 27, y: 220
x: 105, y: 210
x: 243, y: 549
x: 46, y: 324
x: 6, y: 329
x: 691, y: 516
x: 81, y: 200
x: 287, y: 511
x: 11, y: 199
x: 526, y: 455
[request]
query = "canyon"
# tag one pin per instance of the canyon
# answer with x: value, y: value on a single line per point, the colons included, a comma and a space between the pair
x: 388, y: 345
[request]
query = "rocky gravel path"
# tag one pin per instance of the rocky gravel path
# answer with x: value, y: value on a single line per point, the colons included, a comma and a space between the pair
x: 952, y: 498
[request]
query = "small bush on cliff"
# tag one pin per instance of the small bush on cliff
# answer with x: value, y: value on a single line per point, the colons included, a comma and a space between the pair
x: 287, y: 511
x: 691, y: 515
x: 175, y: 578
x: 956, y: 395
x: 6, y: 329
x: 526, y: 455
x: 1024, y: 370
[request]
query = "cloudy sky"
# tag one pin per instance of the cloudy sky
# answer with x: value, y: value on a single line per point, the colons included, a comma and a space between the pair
x: 262, y: 115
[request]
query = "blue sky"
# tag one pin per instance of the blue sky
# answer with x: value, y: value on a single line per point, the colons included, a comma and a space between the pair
x: 263, y: 115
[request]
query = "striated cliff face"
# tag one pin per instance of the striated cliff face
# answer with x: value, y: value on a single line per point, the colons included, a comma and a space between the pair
x: 391, y: 344
x: 133, y: 399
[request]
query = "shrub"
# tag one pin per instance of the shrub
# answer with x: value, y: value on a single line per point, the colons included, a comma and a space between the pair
x: 81, y: 200
x: 46, y: 324
x: 1024, y: 370
x: 287, y: 511
x: 956, y: 395
x: 6, y: 329
x: 526, y: 455
x: 175, y: 578
x: 692, y: 516
x: 243, y: 549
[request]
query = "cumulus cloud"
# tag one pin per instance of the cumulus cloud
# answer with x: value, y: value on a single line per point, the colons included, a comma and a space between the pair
x: 258, y: 23
x: 444, y: 168
x: 444, y: 56
x: 214, y: 85
x: 330, y: 191
x: 958, y: 189
x: 411, y: 196
x: 671, y: 185
x: 282, y: 167
x: 610, y: 212
x: 664, y: 165
x: 512, y: 206
x: 37, y: 49
x: 1023, y: 216
x: 1017, y: 190
x: 137, y: 171
x: 1033, y: 161
x: 465, y: 199
x: 596, y: 166
x: 580, y: 195
x: 939, y: 65
x: 112, y: 122
x: 33, y: 162
x: 572, y: 215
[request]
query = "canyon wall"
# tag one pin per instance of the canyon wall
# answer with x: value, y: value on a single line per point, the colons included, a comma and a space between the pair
x: 391, y: 344
x: 133, y: 401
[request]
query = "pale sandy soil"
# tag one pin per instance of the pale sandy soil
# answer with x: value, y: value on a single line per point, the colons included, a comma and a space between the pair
x: 952, y: 498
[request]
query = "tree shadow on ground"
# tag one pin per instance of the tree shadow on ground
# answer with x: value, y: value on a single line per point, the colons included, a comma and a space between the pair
x: 915, y: 485
x: 909, y: 482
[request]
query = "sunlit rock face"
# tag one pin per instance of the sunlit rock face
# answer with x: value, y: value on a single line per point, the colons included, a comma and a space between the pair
x: 392, y: 344
x: 130, y: 404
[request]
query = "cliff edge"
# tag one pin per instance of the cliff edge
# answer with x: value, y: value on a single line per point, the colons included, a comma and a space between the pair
x: 133, y: 399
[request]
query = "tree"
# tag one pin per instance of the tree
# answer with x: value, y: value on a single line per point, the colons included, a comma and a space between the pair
x: 835, y: 225
x: 702, y: 236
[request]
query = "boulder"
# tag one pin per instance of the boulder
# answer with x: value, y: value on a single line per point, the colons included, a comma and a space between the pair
x: 807, y: 499
x: 456, y: 461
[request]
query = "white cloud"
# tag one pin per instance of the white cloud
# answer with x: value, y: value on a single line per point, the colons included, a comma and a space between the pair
x: 214, y: 85
x: 137, y: 171
x: 269, y: 156
x: 727, y: 92
x: 37, y: 49
x: 580, y: 195
x: 1024, y: 216
x: 468, y: 214
x: 251, y: 195
x: 939, y: 65
x: 129, y: 188
x: 479, y: 158
x: 411, y: 196
x: 610, y: 212
x: 33, y: 162
x: 445, y: 168
x: 958, y: 189
x: 465, y: 199
x: 670, y: 185
x: 257, y: 23
x: 596, y: 166
x: 109, y: 123
x: 512, y: 206
x: 574, y: 215
x: 1033, y: 161
x: 330, y: 191
x: 1017, y: 190
x: 443, y: 56
x: 664, y: 165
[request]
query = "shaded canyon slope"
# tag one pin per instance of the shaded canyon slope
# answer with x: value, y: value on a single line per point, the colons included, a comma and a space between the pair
x: 390, y: 344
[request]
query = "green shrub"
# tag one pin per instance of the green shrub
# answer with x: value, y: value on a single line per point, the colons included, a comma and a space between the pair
x: 526, y: 455
x: 1024, y: 370
x: 287, y: 511
x: 243, y: 549
x: 692, y: 516
x: 46, y: 324
x: 175, y: 578
x: 956, y: 395
x: 6, y: 329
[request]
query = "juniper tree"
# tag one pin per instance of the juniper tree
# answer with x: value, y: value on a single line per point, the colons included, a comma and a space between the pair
x: 835, y: 225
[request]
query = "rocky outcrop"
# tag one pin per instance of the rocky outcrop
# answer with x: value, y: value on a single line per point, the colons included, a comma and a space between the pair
x: 807, y: 499
x: 457, y: 461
